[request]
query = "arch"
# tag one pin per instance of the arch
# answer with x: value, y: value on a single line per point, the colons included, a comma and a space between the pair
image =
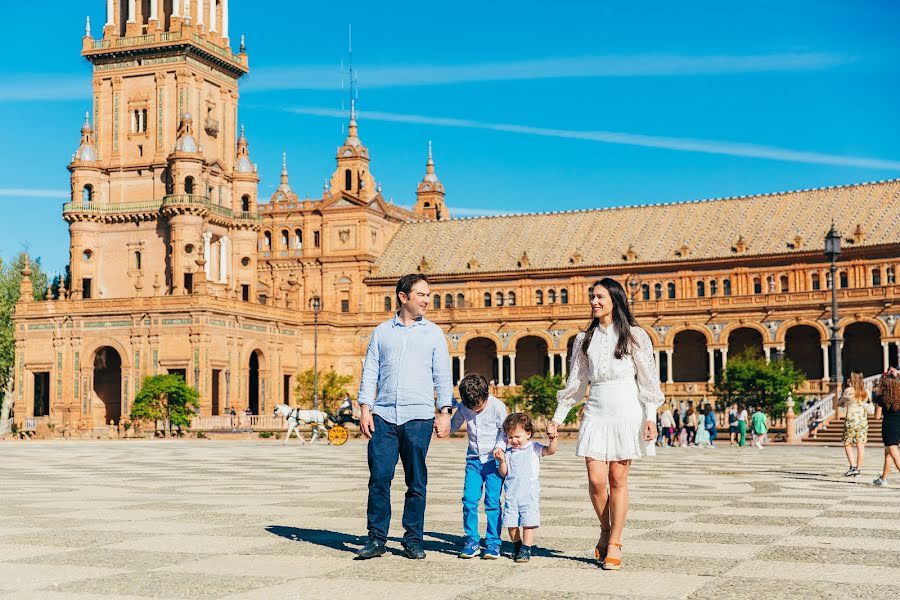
x: 743, y: 339
x: 285, y: 238
x: 245, y: 203
x: 511, y: 298
x: 487, y: 299
x: 539, y: 297
x: 861, y: 350
x: 890, y: 275
x: 499, y: 298
x: 784, y: 284
x: 690, y: 360
x: 803, y: 346
x: 726, y: 287
x: 267, y: 239
x: 481, y: 357
x: 876, y: 277
x: 843, y: 280
x: 460, y: 300
x: 645, y: 291
x: 436, y: 302
x: 701, y: 289
x: 448, y: 300
x: 757, y: 285
x: 107, y: 364
x: 729, y: 328
x: 781, y: 334
x: 298, y: 238
x: 676, y: 330
x: 387, y: 304
x: 563, y: 296
x: 671, y: 290
x: 531, y: 357
x: 87, y: 193
x: 551, y: 296
x: 91, y: 348
x: 847, y: 321
x: 543, y: 335
x: 714, y: 287
x: 138, y: 260
x: 657, y: 291
x: 815, y: 281
x: 188, y: 185
x: 348, y: 180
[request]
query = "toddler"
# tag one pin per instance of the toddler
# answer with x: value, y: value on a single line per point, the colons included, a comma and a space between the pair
x: 483, y: 415
x: 520, y: 464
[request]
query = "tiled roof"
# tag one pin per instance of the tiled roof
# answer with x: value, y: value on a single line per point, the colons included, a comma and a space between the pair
x: 767, y: 224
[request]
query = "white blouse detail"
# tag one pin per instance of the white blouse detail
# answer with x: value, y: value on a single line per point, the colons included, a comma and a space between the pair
x: 600, y: 365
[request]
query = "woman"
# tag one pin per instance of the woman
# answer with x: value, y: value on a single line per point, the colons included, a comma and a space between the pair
x: 709, y: 423
x: 667, y: 424
x: 733, y: 424
x: 615, y: 357
x: 856, y: 425
x: 889, y: 402
x: 690, y: 419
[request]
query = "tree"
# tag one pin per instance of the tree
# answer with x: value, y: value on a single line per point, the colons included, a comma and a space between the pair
x: 332, y: 389
x: 538, y: 395
x: 748, y: 379
x: 167, y: 398
x: 10, y: 280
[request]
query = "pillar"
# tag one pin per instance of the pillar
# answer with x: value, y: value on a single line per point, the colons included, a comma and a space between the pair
x: 154, y: 10
x: 712, y: 364
x: 512, y: 369
x: 187, y: 9
x: 499, y: 370
x: 130, y: 11
x: 225, y: 19
x: 224, y: 242
x: 826, y: 371
x: 724, y: 358
x: 207, y: 251
x: 552, y: 358
x: 669, y: 375
x: 212, y: 15
x: 462, y: 365
x: 885, y: 360
x: 110, y: 13
x: 176, y: 8
x: 200, y: 11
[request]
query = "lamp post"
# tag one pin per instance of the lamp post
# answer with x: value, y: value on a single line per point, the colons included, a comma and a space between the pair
x: 633, y: 282
x: 315, y: 303
x: 833, y: 251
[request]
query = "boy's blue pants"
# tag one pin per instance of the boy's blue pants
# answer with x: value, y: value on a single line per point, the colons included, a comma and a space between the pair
x: 482, y: 478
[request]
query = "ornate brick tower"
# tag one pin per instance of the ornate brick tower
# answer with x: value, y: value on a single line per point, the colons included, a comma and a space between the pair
x: 161, y: 176
x: 430, y: 194
x: 352, y: 174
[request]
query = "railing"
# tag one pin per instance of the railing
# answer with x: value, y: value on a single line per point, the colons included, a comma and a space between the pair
x: 224, y: 52
x: 222, y: 211
x: 266, y: 422
x: 192, y: 199
x: 6, y: 426
x: 215, y: 423
x: 100, y: 44
x: 169, y: 36
x: 823, y: 409
x: 106, y: 208
x: 135, y: 41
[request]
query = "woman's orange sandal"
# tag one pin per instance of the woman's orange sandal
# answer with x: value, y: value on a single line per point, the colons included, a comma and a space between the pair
x: 612, y: 564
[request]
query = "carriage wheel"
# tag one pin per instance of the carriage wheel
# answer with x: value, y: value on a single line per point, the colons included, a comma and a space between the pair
x: 338, y: 435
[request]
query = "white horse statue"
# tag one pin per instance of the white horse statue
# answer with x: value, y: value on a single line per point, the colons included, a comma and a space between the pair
x: 295, y: 416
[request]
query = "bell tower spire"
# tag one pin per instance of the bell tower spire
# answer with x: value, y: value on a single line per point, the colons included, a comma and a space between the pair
x: 430, y: 194
x: 352, y: 175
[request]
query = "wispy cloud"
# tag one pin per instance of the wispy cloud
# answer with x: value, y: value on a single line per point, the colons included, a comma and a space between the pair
x: 388, y: 76
x: 32, y: 193
x: 627, y: 139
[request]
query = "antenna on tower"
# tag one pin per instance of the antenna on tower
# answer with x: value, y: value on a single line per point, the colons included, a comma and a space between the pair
x: 349, y: 73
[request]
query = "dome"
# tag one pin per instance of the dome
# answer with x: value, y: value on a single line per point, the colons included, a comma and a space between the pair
x: 244, y: 165
x: 186, y: 141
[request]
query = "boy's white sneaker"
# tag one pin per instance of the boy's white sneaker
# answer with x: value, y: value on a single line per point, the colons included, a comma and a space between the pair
x: 880, y: 482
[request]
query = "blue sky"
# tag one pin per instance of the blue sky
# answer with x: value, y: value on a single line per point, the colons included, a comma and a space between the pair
x: 531, y: 106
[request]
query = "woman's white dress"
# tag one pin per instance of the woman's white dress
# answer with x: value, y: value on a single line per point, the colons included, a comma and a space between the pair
x: 623, y: 394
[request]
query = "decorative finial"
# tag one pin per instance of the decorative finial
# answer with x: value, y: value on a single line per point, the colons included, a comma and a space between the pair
x: 326, y: 186
x: 87, y: 27
x: 243, y: 48
x: 352, y: 109
x: 429, y: 150
x: 378, y: 187
x: 284, y: 163
x: 242, y: 131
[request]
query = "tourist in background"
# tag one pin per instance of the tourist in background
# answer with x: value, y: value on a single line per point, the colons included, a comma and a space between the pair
x: 733, y: 431
x: 667, y: 424
x: 690, y: 423
x: 702, y: 438
x: 742, y: 425
x: 888, y: 401
x: 615, y: 357
x: 709, y: 423
x: 856, y: 424
x: 759, y: 424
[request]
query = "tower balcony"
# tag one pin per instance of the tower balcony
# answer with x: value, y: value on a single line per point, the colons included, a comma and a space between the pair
x: 150, y: 209
x: 106, y: 53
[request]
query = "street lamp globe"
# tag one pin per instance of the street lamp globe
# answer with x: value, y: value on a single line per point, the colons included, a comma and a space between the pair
x: 832, y: 244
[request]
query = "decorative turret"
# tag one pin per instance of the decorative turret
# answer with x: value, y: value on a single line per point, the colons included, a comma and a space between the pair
x: 86, y: 176
x: 26, y: 291
x: 430, y: 194
x: 284, y: 190
x: 352, y: 174
x: 186, y: 161
x: 245, y: 178
x: 186, y: 141
x: 86, y: 151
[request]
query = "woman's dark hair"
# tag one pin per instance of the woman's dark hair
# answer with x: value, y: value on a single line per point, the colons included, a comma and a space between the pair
x: 890, y: 391
x: 518, y: 420
x: 622, y: 319
x: 406, y: 283
x: 473, y: 390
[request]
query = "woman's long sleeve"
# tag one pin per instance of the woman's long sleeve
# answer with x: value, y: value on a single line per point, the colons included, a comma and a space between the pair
x: 649, y: 391
x: 579, y: 378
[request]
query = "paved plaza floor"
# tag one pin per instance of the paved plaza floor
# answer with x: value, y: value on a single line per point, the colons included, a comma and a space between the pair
x: 257, y: 520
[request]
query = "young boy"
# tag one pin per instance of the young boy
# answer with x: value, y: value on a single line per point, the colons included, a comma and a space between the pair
x: 521, y: 466
x: 483, y: 415
x: 760, y: 430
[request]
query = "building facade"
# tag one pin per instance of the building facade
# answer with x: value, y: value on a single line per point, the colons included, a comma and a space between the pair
x: 177, y: 266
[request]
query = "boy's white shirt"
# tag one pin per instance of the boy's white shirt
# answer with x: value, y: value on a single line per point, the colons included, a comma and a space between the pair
x: 484, y: 429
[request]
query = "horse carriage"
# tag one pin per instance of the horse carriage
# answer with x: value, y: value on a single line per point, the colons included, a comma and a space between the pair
x: 331, y: 426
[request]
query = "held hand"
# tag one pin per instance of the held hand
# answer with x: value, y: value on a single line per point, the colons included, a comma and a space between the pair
x: 650, y: 433
x: 442, y: 425
x: 552, y: 429
x: 366, y: 422
x: 499, y: 455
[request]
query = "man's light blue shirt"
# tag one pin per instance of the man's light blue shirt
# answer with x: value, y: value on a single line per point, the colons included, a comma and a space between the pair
x: 406, y: 365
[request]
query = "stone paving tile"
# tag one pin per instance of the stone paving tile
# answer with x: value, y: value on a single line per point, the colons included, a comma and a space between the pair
x: 256, y: 520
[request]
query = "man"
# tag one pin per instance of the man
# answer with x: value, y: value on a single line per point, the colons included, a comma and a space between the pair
x: 406, y: 362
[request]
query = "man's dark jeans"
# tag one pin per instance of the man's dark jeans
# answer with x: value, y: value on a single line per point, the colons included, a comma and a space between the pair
x: 408, y: 442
